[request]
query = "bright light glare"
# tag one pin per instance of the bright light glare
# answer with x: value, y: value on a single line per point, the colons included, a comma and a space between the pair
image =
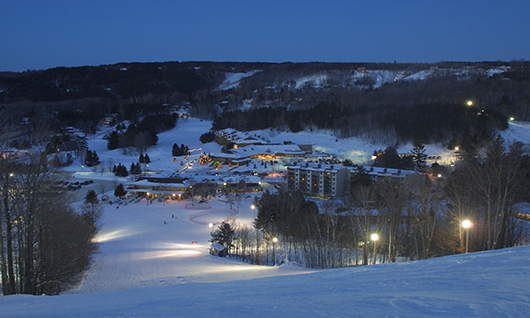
x: 164, y: 254
x: 466, y: 224
x: 114, y: 235
x: 374, y: 237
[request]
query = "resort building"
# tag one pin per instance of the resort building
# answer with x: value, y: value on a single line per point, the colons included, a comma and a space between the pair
x: 325, y: 181
x: 329, y: 181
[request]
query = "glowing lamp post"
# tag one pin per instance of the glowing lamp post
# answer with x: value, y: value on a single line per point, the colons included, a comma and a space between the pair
x: 211, y: 228
x: 253, y: 207
x: 466, y: 224
x: 374, y: 238
x: 274, y: 241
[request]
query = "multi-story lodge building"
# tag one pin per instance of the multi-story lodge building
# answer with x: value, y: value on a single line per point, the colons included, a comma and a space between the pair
x: 318, y: 180
x: 328, y: 181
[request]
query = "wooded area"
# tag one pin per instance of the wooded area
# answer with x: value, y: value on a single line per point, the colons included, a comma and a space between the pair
x: 418, y: 219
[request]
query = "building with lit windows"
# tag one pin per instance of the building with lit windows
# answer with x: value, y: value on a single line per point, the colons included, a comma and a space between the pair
x: 325, y: 181
x: 328, y: 181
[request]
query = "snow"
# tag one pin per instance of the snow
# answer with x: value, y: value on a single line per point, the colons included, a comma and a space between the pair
x: 147, y: 268
x: 232, y: 79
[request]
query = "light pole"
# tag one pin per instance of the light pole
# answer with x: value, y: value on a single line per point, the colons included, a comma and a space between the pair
x: 466, y: 224
x: 211, y: 228
x: 253, y: 207
x: 274, y: 241
x: 374, y: 238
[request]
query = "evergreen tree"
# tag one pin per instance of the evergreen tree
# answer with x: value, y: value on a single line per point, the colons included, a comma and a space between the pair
x: 113, y: 140
x: 419, y: 158
x: 207, y: 137
x: 92, y: 210
x: 223, y: 235
x: 147, y: 159
x: 88, y: 158
x: 91, y: 158
x: 388, y: 158
x: 121, y: 171
x: 361, y: 177
x: 347, y: 163
x: 120, y: 191
x: 95, y: 159
x: 91, y: 197
x: 135, y: 168
x: 175, y: 150
x: 184, y: 150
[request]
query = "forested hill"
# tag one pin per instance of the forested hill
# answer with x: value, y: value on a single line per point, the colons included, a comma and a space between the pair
x: 383, y: 102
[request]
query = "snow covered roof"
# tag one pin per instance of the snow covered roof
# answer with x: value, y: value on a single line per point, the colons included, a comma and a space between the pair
x: 238, y: 178
x: 316, y: 167
x: 379, y: 171
x: 218, y: 246
x: 273, y: 149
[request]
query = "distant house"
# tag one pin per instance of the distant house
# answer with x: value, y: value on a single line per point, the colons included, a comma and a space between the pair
x: 74, y: 145
x: 218, y: 249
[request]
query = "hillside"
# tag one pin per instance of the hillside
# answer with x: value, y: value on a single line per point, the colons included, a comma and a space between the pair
x: 378, y: 102
x: 487, y: 284
x: 147, y: 268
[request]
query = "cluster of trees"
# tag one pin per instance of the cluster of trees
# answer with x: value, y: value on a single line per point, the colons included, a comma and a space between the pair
x: 141, y: 135
x: 45, y: 245
x: 384, y: 123
x: 207, y: 137
x: 489, y: 188
x: 91, y: 158
x: 124, y: 80
x: 416, y: 159
x: 179, y: 151
x: 135, y: 168
x: 416, y: 219
x: 426, y: 111
x: 120, y: 170
x: 144, y: 159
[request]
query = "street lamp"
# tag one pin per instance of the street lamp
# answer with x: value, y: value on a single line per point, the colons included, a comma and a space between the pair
x: 467, y: 224
x: 253, y: 207
x: 274, y: 241
x: 374, y: 238
x: 211, y: 228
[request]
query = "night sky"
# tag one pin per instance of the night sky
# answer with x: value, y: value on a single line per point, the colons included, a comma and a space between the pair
x: 44, y: 34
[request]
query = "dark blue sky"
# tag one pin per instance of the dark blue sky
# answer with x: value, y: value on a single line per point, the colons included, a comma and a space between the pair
x: 44, y: 34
